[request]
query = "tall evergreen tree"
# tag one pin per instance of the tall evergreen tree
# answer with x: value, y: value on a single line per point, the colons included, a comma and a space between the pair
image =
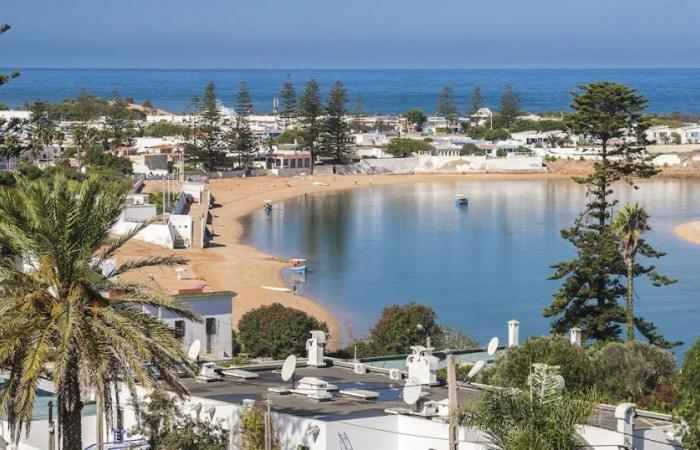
x: 208, y: 145
x: 310, y: 110
x: 510, y: 106
x: 240, y: 137
x: 4, y: 78
x: 336, y: 141
x: 118, y: 122
x: 357, y: 110
x: 289, y: 98
x: 610, y: 114
x: 476, y: 102
x: 446, y: 106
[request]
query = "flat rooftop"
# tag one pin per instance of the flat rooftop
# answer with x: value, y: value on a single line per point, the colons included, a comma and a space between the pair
x: 340, y: 407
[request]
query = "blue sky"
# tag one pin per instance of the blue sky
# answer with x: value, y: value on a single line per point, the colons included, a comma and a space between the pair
x: 350, y: 33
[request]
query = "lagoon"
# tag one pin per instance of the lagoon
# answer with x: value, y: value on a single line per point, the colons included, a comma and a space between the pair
x: 478, y: 267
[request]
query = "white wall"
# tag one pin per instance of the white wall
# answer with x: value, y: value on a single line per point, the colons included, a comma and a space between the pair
x: 181, y: 226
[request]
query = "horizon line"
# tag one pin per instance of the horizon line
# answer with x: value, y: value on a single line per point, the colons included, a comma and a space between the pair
x: 351, y: 68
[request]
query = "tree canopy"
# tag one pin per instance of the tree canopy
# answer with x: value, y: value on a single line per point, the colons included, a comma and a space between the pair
x: 404, y: 147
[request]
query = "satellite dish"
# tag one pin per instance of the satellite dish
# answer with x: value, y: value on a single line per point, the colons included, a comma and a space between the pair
x: 290, y: 364
x: 492, y: 347
x: 411, y: 391
x: 476, y: 368
x: 193, y: 352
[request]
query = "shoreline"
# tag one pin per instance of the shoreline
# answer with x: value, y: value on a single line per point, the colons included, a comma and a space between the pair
x: 231, y: 264
x: 689, y: 231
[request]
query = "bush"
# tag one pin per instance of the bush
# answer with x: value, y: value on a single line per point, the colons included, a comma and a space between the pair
x: 513, y: 367
x: 403, y: 147
x: 687, y: 387
x: 470, y: 149
x: 501, y: 152
x: 163, y: 128
x: 288, y: 137
x: 251, y: 430
x: 397, y: 328
x: 276, y: 331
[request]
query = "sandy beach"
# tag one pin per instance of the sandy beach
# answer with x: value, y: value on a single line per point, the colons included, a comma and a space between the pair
x: 229, y: 264
x: 689, y: 231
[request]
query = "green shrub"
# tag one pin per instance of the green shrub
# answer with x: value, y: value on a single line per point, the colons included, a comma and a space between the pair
x: 276, y: 331
x: 471, y: 149
x: 404, y: 147
x: 687, y: 387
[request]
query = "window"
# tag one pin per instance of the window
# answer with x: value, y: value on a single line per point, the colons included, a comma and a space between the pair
x: 179, y: 329
x: 294, y: 163
x: 211, y: 326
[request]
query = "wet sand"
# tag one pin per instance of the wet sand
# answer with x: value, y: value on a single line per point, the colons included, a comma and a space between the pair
x: 689, y: 231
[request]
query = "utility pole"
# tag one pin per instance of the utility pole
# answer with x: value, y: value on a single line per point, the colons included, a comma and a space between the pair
x: 452, y: 400
x: 52, y: 429
x: 268, y: 426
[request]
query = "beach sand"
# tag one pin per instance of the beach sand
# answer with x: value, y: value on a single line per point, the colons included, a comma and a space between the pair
x: 689, y: 231
x: 228, y: 264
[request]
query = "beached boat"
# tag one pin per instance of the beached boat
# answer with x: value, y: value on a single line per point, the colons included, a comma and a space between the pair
x: 298, y: 265
x: 461, y: 200
x: 276, y: 289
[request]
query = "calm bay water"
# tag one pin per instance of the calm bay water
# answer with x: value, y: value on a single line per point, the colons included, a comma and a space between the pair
x: 383, y: 91
x: 478, y: 267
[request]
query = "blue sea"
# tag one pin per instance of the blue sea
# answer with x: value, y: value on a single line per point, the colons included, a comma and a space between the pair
x: 382, y: 91
x: 479, y: 266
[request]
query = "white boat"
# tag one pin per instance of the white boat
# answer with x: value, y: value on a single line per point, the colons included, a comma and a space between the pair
x: 276, y: 289
x: 461, y: 200
x: 298, y: 265
x: 267, y: 205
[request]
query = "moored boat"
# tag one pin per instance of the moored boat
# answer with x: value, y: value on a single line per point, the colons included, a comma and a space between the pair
x: 298, y: 265
x: 461, y: 200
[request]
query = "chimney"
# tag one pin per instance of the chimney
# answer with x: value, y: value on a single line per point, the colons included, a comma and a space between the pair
x: 575, y: 336
x: 513, y: 333
x: 624, y: 415
x: 315, y: 347
x: 422, y: 365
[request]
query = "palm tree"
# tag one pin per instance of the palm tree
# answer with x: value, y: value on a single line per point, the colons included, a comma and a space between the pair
x: 62, y: 317
x: 543, y: 418
x: 628, y: 226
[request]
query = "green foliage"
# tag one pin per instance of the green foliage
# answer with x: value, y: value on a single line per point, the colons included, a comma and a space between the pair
x: 617, y: 372
x: 251, y: 430
x: 687, y: 387
x: 289, y: 98
x: 543, y: 417
x: 397, y: 328
x: 335, y: 138
x: 454, y: 338
x: 210, y: 106
x: 240, y: 138
x: 207, y: 150
x: 96, y: 157
x: 588, y: 297
x: 501, y: 152
x: 404, y: 147
x: 446, y: 106
x: 163, y: 129
x: 470, y: 149
x: 310, y: 110
x: 244, y: 103
x: 538, y: 125
x: 415, y: 116
x: 476, y: 101
x: 156, y: 198
x: 87, y: 339
x: 488, y: 134
x: 4, y: 78
x: 118, y: 122
x: 510, y: 106
x: 166, y: 427
x: 276, y: 331
x: 289, y: 136
x: 84, y: 107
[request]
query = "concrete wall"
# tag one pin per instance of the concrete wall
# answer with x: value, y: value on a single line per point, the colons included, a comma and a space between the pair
x: 181, y: 204
x: 683, y: 148
x: 181, y: 228
x: 139, y: 213
x: 155, y: 233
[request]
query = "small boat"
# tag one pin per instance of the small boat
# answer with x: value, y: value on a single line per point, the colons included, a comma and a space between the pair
x: 298, y: 265
x: 267, y: 205
x: 276, y: 289
x: 461, y: 200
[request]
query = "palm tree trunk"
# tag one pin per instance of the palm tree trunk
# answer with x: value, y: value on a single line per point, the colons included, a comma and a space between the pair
x: 630, y: 302
x: 70, y: 409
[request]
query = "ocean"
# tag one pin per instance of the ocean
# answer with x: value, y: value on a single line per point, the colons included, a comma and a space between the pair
x: 382, y: 91
x: 479, y: 266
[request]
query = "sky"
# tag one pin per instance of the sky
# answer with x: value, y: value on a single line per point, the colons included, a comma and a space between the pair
x: 350, y: 33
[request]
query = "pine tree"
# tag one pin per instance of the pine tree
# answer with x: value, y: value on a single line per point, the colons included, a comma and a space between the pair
x: 476, y: 100
x: 208, y: 146
x: 446, y: 106
x: 210, y: 107
x: 310, y: 110
x: 336, y: 141
x: 4, y: 78
x: 118, y: 122
x: 510, y: 106
x: 240, y: 138
x: 610, y: 114
x: 244, y: 104
x: 289, y: 98
x: 357, y: 111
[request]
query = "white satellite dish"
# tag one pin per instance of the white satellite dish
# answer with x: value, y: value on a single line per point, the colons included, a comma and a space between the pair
x: 193, y: 352
x: 493, y: 346
x: 411, y: 391
x: 288, y: 368
x: 476, y: 368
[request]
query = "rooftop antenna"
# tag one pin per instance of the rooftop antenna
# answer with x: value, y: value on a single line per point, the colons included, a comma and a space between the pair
x: 411, y: 391
x: 288, y: 368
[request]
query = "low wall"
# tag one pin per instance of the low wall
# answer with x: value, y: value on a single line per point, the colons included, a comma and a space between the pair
x: 439, y: 164
x: 156, y: 233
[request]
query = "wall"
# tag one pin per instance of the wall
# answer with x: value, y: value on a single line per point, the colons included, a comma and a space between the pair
x: 139, y: 213
x: 181, y: 229
x: 155, y: 233
x: 683, y: 148
x: 181, y: 204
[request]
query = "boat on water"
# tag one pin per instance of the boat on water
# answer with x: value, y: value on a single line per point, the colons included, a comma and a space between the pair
x: 461, y: 200
x: 267, y: 205
x: 298, y: 265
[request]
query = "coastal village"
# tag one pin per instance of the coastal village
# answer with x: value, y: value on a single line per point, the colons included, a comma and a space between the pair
x: 138, y: 313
